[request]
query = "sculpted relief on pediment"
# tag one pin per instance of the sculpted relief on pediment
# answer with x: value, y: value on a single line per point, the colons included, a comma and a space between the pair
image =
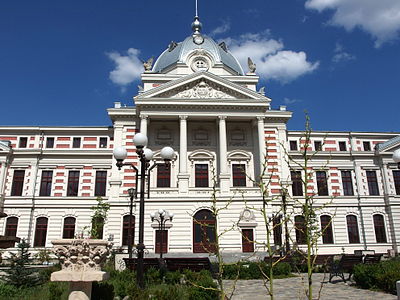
x: 201, y: 90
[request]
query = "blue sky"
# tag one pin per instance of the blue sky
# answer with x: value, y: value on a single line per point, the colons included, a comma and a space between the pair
x: 337, y: 59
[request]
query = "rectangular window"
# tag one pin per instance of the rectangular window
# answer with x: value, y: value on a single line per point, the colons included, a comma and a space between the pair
x: 50, y: 142
x: 73, y: 184
x: 76, y: 142
x: 163, y: 175
x: 318, y: 146
x: 247, y: 240
x: 347, y: 183
x: 342, y: 146
x: 23, y: 141
x: 18, y: 183
x: 45, y: 184
x: 103, y: 142
x: 293, y: 145
x: 101, y: 183
x: 367, y: 146
x: 277, y: 228
x: 239, y: 175
x: 352, y: 229
x: 380, y: 232
x: 40, y: 232
x: 297, y: 184
x: 372, y: 183
x: 396, y: 178
x: 322, y: 183
x: 201, y: 175
x: 161, y: 241
x: 327, y: 232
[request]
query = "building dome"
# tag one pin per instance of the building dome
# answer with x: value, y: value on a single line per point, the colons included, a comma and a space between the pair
x: 180, y: 53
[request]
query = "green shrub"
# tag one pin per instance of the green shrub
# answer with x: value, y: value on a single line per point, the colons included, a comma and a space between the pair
x: 381, y: 276
x: 172, y: 277
x: 8, y: 290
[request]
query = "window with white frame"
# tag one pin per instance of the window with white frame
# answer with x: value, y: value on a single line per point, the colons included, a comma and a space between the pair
x: 202, y: 166
x: 241, y: 168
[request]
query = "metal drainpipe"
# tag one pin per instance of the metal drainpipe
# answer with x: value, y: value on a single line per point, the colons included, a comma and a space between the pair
x: 31, y: 217
x: 358, y: 198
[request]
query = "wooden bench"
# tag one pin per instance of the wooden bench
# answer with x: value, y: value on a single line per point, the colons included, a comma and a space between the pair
x: 188, y: 263
x: 371, y: 259
x: 148, y: 263
x: 346, y: 264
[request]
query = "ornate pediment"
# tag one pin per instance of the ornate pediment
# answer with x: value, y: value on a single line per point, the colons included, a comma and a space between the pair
x: 201, y: 89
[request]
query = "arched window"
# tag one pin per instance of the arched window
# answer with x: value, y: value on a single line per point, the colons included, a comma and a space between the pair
x: 40, y: 232
x: 11, y: 226
x: 125, y: 230
x: 300, y: 228
x: 326, y: 227
x: 204, y: 231
x: 352, y: 229
x: 69, y: 228
x: 380, y: 232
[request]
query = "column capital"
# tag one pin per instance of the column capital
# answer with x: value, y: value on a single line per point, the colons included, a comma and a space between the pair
x: 183, y: 117
x: 222, y: 118
x: 260, y: 119
x: 143, y: 117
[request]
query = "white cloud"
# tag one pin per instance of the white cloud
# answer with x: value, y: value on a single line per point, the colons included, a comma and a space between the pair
x: 340, y: 55
x: 288, y: 101
x: 380, y: 18
x: 127, y: 67
x: 225, y: 26
x: 272, y: 61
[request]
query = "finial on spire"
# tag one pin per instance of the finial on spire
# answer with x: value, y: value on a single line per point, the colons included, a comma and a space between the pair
x: 196, y: 25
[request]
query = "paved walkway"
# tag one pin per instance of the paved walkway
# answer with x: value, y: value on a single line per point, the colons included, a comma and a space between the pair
x: 293, y: 288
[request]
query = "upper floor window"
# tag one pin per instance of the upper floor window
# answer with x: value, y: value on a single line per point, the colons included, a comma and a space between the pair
x: 101, y: 183
x: 352, y: 229
x: 23, y: 142
x: 326, y: 227
x: 18, y: 183
x: 201, y: 175
x: 293, y: 145
x: 372, y: 183
x: 76, y: 142
x: 73, y: 183
x: 380, y: 232
x: 40, y: 232
x: 318, y: 146
x: 347, y: 183
x: 342, y: 146
x: 45, y: 184
x: 396, y: 178
x: 11, y: 226
x: 69, y: 228
x: 239, y: 174
x: 50, y: 142
x: 367, y: 146
x: 163, y: 175
x: 297, y: 184
x: 322, y: 183
x: 103, y: 142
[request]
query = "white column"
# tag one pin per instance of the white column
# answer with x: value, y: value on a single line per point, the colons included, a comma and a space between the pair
x: 3, y: 168
x: 143, y: 124
x: 222, y: 146
x: 183, y: 176
x: 224, y: 175
x: 261, y: 141
x: 183, y: 145
x: 115, y: 180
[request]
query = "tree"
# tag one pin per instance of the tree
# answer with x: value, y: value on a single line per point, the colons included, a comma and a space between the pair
x: 19, y: 274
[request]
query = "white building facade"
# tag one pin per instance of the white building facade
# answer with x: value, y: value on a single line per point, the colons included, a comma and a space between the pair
x: 198, y: 100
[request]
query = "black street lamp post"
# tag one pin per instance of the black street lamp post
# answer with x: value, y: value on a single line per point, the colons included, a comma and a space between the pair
x: 161, y: 216
x: 132, y: 195
x: 145, y: 155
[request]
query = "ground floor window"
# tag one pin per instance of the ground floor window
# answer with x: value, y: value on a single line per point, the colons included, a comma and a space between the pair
x: 125, y: 230
x: 247, y: 240
x: 161, y: 241
x: 69, y: 228
x: 40, y: 232
x: 204, y: 231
